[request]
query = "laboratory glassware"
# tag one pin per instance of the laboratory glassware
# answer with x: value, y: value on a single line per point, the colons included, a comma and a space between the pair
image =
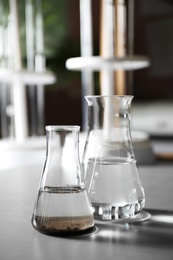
x: 110, y: 167
x: 62, y: 203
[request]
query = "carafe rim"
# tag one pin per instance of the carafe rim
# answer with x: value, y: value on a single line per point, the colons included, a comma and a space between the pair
x: 118, y: 96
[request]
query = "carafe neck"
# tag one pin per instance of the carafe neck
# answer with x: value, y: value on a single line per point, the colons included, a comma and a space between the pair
x: 107, y: 112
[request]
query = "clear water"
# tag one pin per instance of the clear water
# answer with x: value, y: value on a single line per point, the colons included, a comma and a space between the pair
x: 114, y: 188
x: 62, y: 209
x: 63, y: 202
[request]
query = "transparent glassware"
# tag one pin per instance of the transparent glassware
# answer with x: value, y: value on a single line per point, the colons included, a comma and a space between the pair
x: 110, y: 169
x: 62, y: 203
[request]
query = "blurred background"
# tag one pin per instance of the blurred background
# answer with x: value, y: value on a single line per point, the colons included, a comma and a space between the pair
x: 152, y: 87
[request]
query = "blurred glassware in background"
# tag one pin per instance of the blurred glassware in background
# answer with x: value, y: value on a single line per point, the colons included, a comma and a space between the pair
x: 20, y: 120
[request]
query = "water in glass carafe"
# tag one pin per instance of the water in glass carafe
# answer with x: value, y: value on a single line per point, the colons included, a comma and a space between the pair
x: 111, y: 173
x: 62, y: 203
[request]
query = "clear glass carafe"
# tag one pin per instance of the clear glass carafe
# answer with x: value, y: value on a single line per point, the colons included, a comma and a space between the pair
x: 111, y: 173
x: 62, y: 204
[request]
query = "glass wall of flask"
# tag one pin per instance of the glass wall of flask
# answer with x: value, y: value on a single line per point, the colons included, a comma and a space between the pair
x: 111, y: 173
x: 62, y: 203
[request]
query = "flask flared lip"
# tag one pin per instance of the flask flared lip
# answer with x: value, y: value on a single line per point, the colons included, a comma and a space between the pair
x: 62, y: 127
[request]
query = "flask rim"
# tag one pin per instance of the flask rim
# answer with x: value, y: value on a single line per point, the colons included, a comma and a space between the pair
x: 62, y: 127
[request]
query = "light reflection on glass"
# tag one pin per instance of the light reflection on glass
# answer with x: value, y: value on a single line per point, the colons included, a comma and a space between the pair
x: 163, y: 218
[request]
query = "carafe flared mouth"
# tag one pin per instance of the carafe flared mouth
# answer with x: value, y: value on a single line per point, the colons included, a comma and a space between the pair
x: 121, y: 100
x: 109, y: 111
x: 109, y: 97
x: 117, y: 96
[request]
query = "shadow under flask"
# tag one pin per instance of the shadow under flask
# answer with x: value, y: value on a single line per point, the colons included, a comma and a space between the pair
x: 109, y: 164
x: 62, y: 203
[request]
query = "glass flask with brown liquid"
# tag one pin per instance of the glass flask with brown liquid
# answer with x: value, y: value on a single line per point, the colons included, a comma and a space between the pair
x: 62, y: 205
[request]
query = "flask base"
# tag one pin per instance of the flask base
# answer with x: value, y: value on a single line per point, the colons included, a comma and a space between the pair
x: 62, y: 225
x: 103, y: 211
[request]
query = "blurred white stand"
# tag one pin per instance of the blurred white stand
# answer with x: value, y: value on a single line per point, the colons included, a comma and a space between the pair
x: 23, y: 78
x: 27, y: 77
x: 14, y: 80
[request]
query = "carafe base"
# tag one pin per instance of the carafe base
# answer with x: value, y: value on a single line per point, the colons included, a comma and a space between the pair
x: 114, y: 212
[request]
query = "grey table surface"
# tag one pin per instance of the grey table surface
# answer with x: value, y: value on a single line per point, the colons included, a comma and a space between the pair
x: 150, y: 239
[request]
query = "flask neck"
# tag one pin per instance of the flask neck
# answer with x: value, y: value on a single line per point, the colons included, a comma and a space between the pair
x: 62, y: 165
x: 62, y: 140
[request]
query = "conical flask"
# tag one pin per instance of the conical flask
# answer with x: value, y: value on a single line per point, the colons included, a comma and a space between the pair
x: 62, y: 203
x: 110, y: 169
